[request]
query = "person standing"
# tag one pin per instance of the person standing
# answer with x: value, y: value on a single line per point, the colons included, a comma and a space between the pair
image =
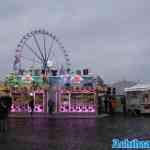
x: 50, y: 106
x: 99, y: 102
x: 107, y: 99
x: 31, y: 105
x: 5, y: 108
x: 3, y: 113
x: 123, y: 101
x: 106, y: 103
x: 113, y: 104
x: 110, y: 105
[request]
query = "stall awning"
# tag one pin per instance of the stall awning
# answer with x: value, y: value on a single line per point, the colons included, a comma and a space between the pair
x: 138, y: 87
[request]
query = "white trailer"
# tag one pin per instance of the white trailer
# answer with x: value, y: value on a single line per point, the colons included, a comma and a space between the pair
x: 138, y: 98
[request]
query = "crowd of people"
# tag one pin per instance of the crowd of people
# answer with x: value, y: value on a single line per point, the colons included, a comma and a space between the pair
x: 110, y: 104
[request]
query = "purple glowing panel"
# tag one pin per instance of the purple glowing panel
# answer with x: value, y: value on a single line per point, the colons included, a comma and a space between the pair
x: 78, y: 108
x: 25, y: 108
x: 38, y: 108
x: 19, y: 108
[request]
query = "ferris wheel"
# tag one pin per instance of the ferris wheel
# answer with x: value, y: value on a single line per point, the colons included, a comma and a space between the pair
x: 40, y: 49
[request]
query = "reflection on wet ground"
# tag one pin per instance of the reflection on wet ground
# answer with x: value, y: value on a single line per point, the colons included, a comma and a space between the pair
x: 72, y: 134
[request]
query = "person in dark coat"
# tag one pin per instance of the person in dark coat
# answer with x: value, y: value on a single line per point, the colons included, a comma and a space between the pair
x: 99, y: 99
x: 110, y: 106
x: 106, y: 104
x: 31, y: 105
x: 113, y: 105
x: 123, y: 101
x: 5, y: 108
x: 50, y: 106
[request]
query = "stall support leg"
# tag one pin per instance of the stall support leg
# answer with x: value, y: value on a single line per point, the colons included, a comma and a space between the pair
x: 56, y: 101
x: 34, y: 98
x: 45, y: 101
x: 69, y: 101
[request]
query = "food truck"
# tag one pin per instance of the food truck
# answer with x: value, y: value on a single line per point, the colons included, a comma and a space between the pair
x: 138, y: 98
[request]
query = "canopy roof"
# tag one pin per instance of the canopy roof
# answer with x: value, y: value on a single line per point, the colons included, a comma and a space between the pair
x: 138, y: 87
x: 19, y: 81
x: 3, y: 88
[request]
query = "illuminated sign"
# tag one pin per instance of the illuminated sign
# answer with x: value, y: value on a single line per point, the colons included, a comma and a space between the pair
x: 76, y: 79
x: 27, y: 78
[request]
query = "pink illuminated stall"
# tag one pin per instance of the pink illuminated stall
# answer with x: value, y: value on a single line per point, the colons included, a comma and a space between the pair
x: 81, y: 100
x: 21, y: 101
x: 39, y: 101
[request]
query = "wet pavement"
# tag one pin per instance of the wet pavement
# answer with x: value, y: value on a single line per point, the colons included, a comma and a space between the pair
x: 72, y: 133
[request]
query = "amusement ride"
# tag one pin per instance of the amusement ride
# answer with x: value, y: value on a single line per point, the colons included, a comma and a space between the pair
x: 40, y: 49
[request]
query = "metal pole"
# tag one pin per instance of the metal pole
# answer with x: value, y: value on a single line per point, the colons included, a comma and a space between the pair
x: 34, y: 97
x: 34, y: 52
x: 96, y: 102
x: 69, y: 100
x: 50, y: 50
x: 45, y: 100
x: 38, y: 46
x: 56, y: 97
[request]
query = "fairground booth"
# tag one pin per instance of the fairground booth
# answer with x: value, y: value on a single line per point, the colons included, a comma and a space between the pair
x: 23, y: 88
x: 70, y: 92
x: 77, y: 93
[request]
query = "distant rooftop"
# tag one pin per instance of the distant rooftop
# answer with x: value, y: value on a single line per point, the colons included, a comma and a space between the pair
x: 138, y: 87
x: 121, y: 85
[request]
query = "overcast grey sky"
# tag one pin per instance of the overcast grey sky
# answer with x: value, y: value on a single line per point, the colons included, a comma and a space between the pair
x: 111, y: 37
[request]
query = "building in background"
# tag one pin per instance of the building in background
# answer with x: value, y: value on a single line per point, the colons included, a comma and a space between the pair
x: 121, y: 85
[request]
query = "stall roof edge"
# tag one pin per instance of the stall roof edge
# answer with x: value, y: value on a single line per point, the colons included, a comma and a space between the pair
x: 138, y: 87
